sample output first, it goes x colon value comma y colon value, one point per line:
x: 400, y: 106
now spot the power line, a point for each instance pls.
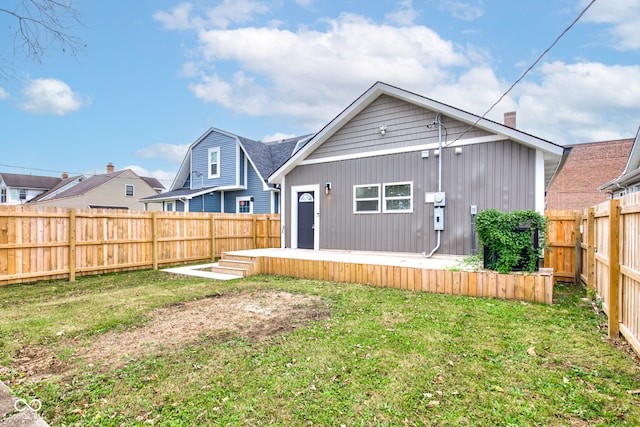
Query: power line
x: 526, y: 71
x: 67, y: 172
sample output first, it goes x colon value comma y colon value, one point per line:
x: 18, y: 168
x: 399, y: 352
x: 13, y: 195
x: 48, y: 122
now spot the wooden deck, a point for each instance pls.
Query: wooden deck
x: 395, y: 270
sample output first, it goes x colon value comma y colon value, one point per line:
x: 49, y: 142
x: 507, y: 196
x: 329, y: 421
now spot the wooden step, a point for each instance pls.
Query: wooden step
x: 240, y: 272
x: 238, y: 257
x: 234, y: 263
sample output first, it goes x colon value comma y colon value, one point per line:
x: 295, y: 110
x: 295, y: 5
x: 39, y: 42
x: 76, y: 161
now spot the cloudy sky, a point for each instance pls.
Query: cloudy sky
x: 156, y: 74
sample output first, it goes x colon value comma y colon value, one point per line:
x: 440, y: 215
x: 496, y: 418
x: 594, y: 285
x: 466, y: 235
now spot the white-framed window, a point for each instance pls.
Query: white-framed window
x: 23, y: 194
x: 398, y: 197
x: 366, y: 198
x: 214, y: 162
x: 169, y: 206
x: 244, y: 205
x: 128, y: 190
x: 3, y: 195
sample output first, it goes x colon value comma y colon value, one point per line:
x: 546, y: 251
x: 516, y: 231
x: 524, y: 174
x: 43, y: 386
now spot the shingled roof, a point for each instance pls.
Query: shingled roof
x: 35, y: 182
x: 269, y: 156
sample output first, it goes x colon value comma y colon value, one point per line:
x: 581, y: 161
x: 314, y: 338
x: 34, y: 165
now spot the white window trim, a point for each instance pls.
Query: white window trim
x: 133, y: 190
x: 355, y: 199
x: 410, y: 197
x: 211, y: 150
x: 171, y: 205
x: 244, y: 199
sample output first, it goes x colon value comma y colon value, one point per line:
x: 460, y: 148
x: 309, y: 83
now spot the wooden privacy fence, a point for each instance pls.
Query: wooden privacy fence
x: 607, y: 258
x: 57, y: 243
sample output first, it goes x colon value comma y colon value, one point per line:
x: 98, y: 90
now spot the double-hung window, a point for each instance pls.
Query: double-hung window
x: 398, y: 197
x: 244, y: 205
x: 366, y: 198
x: 128, y: 190
x: 214, y: 162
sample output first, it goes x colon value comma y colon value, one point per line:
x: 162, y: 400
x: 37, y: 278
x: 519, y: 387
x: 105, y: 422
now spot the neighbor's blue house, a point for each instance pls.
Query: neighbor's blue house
x: 224, y: 172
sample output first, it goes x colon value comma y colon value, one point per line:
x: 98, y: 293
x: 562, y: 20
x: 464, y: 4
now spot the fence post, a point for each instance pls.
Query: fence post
x: 578, y: 239
x: 591, y: 251
x: 213, y: 238
x: 72, y: 245
x: 255, y: 232
x: 267, y: 232
x: 154, y: 238
x: 614, y: 268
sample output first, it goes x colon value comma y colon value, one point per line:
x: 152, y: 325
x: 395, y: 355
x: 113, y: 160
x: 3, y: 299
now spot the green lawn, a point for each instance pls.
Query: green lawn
x: 377, y: 356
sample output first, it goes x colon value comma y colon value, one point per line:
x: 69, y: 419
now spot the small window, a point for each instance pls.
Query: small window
x: 366, y: 198
x: 214, y: 162
x: 128, y: 190
x: 3, y: 196
x: 169, y: 207
x: 244, y: 205
x: 23, y: 194
x: 398, y: 197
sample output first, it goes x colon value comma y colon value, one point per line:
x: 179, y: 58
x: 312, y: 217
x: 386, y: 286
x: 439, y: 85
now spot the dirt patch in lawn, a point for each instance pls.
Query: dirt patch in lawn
x: 255, y: 316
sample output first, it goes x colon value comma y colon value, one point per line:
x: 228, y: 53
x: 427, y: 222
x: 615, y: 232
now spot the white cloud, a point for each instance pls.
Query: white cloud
x: 3, y: 94
x: 221, y: 16
x: 405, y: 14
x: 165, y: 177
x: 464, y: 10
x: 51, y: 96
x: 275, y: 66
x: 278, y: 136
x: 312, y: 73
x: 171, y: 152
x: 581, y: 102
x: 622, y: 15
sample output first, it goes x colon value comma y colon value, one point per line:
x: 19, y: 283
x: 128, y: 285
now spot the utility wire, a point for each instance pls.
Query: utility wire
x: 71, y: 173
x: 525, y: 72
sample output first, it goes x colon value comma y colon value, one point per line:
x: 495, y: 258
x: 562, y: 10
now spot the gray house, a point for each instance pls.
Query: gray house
x: 399, y: 172
x: 629, y: 181
x: 223, y: 172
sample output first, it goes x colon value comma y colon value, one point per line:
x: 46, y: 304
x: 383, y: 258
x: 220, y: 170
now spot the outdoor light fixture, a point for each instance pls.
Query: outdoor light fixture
x: 327, y: 188
x: 383, y: 130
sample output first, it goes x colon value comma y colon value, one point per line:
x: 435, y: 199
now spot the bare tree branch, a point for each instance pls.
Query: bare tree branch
x: 41, y: 26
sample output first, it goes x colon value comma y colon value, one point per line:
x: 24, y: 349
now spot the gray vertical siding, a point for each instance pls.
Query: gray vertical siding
x: 491, y: 175
x: 406, y: 126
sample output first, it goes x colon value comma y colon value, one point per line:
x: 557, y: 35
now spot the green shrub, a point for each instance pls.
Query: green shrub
x: 510, y: 237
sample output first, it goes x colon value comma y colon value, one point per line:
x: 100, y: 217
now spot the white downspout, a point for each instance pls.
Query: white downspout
x: 439, y: 119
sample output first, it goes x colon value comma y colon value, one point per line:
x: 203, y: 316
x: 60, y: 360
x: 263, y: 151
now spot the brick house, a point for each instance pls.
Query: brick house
x: 587, y: 167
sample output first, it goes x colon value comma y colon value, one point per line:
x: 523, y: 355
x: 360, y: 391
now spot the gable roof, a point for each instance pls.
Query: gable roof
x: 265, y: 157
x: 631, y: 173
x: 153, y: 183
x: 180, y: 193
x: 87, y: 185
x: 35, y: 182
x: 58, y: 188
x: 552, y: 152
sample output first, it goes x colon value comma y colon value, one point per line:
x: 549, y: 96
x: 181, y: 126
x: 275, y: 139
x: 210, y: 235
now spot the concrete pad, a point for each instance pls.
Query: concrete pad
x: 200, y: 271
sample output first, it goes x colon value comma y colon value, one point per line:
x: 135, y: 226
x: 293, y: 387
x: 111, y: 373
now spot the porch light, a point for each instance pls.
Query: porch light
x: 327, y: 188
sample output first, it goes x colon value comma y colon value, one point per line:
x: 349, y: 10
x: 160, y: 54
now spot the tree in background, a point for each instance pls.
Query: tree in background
x: 38, y: 26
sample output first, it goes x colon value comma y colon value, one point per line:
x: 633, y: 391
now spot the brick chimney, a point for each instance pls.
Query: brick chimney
x: 510, y: 119
x: 110, y: 167
x: 65, y: 175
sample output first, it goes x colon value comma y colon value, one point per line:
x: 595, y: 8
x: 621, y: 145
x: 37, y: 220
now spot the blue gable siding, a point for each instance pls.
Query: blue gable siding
x: 242, y: 167
x: 211, y: 203
x: 228, y: 160
x: 255, y: 189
